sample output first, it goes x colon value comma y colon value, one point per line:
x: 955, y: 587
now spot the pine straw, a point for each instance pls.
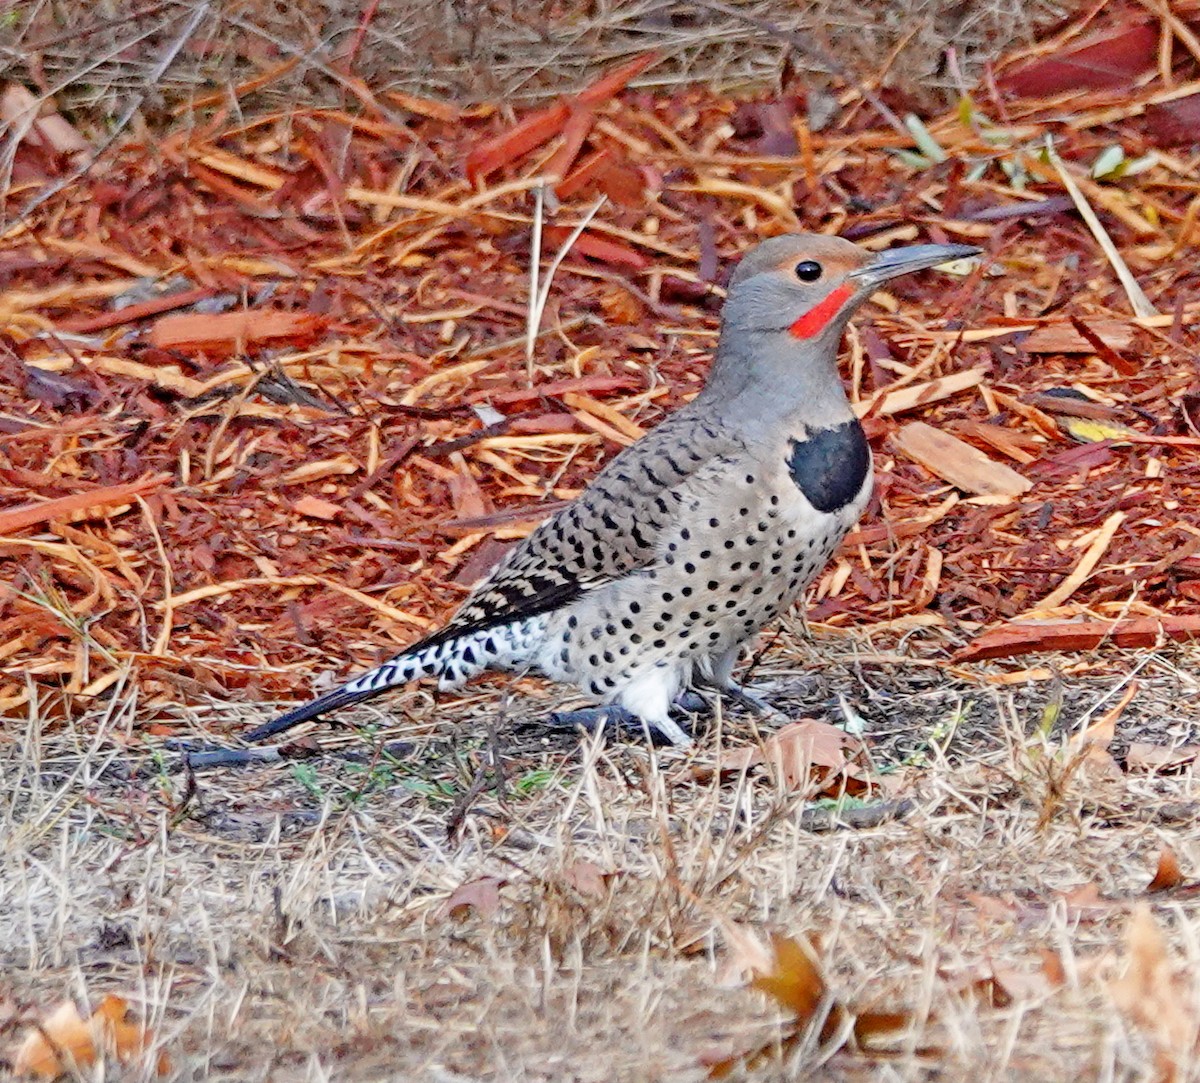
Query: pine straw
x: 488, y: 50
x: 292, y: 920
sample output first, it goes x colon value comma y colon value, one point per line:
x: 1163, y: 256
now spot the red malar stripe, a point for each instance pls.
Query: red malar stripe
x: 817, y: 318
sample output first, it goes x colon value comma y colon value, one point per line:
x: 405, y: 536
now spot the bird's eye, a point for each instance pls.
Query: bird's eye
x: 808, y: 270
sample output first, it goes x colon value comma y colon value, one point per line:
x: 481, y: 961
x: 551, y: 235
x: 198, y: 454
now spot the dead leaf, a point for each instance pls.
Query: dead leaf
x: 20, y: 110
x: 1004, y: 984
x: 1144, y: 756
x: 1053, y: 969
x: 1174, y: 121
x: 1152, y: 995
x: 992, y: 907
x: 793, y: 753
x: 64, y: 1040
x: 1094, y: 742
x: 1085, y: 897
x: 586, y: 879
x: 789, y: 972
x: 1168, y: 873
x: 746, y: 954
x: 481, y: 895
x: 1111, y: 59
x: 794, y: 978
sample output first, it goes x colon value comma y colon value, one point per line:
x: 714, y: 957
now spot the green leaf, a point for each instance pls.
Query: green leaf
x: 1138, y: 165
x: 927, y: 145
x: 912, y: 159
x: 1017, y: 177
x: 1108, y: 162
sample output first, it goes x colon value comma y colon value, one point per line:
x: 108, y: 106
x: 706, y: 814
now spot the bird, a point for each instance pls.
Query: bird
x: 690, y: 541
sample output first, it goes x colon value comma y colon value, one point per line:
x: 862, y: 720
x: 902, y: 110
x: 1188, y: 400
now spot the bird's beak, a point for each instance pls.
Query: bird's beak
x: 894, y: 262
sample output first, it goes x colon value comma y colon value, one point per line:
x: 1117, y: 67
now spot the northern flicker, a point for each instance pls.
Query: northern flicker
x: 690, y: 541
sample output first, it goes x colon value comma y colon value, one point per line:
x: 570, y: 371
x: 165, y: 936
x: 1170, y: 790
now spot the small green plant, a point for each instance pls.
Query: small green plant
x: 306, y: 775
x: 938, y: 736
x: 535, y: 781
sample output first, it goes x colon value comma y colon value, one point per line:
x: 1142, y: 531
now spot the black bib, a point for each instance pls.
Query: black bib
x: 829, y: 466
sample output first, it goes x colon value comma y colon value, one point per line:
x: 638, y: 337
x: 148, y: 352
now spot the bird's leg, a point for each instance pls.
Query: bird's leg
x: 721, y: 680
x: 740, y: 694
x: 662, y: 731
x: 691, y: 702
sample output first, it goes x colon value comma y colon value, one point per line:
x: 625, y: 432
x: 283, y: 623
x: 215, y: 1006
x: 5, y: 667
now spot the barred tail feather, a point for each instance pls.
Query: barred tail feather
x: 452, y: 661
x: 392, y: 674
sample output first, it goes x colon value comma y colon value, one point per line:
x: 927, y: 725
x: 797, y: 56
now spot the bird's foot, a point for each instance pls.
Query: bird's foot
x: 623, y: 721
x: 694, y: 702
x: 742, y: 695
x: 689, y: 701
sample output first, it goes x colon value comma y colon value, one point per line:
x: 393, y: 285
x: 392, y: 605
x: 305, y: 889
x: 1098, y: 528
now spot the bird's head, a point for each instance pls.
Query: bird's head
x: 808, y: 285
x: 789, y: 301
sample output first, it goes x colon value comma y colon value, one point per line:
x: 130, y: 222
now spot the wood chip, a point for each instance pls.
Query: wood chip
x: 909, y: 398
x: 1085, y: 567
x: 199, y: 330
x: 1032, y: 637
x: 957, y: 462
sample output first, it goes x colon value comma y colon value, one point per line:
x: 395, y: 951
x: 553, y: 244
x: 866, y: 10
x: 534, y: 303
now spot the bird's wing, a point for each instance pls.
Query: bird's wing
x: 610, y: 530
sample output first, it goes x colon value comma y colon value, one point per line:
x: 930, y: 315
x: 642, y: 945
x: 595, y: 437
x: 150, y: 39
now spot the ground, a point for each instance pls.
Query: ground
x: 276, y: 387
x: 308, y: 920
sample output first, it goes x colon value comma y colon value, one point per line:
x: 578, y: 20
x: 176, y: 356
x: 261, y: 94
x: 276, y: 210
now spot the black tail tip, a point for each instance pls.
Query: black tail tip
x: 305, y: 712
x: 278, y: 724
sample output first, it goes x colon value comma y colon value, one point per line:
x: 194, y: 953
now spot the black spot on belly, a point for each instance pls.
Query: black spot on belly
x: 830, y: 465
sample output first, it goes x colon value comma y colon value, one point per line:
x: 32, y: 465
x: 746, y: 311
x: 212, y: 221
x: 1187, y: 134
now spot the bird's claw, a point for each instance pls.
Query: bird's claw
x: 592, y: 719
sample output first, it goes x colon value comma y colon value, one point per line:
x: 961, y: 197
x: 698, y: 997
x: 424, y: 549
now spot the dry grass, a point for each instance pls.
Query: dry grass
x: 287, y: 921
x: 101, y: 56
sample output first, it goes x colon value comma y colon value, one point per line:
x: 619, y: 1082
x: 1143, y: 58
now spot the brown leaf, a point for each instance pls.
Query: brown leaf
x: 1112, y: 59
x: 1094, y: 742
x: 597, y: 248
x: 465, y: 493
x: 620, y: 306
x: 1168, y: 873
x: 794, y: 978
x: 793, y: 752
x: 1174, y: 121
x: 789, y: 973
x: 1053, y: 969
x: 1144, y: 756
x: 1011, y: 983
x: 992, y: 907
x: 586, y: 879
x: 481, y: 895
x: 65, y: 1040
x: 1083, y: 898
x: 746, y: 955
x: 1153, y: 996
x: 17, y: 105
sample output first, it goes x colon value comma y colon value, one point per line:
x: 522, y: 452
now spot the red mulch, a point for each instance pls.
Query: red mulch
x: 265, y: 409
